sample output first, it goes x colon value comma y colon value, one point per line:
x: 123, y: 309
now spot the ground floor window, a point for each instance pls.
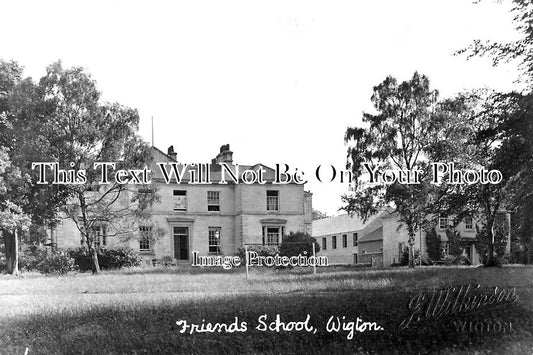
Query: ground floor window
x: 214, y: 240
x: 324, y: 244
x: 145, y: 238
x: 272, y: 235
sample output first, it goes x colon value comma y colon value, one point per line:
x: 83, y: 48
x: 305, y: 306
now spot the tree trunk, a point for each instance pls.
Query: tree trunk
x: 96, y: 266
x: 411, y: 243
x: 491, y: 260
x: 12, y: 255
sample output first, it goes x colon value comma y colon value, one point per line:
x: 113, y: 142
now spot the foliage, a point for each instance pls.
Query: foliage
x: 397, y: 137
x: 455, y: 245
x: 433, y: 243
x: 319, y: 215
x: 56, y: 263
x: 108, y: 259
x: 461, y: 260
x: 484, y: 241
x: 62, y: 119
x: 514, y: 127
x: 298, y: 243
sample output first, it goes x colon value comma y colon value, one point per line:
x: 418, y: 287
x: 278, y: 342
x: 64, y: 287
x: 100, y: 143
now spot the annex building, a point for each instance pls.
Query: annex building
x: 212, y: 219
x: 380, y: 240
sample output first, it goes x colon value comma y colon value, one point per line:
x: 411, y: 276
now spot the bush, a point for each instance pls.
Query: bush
x: 29, y: 262
x: 461, y: 260
x: 108, y: 259
x: 56, y: 263
x: 298, y: 243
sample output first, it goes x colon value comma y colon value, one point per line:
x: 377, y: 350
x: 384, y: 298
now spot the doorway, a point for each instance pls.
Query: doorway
x: 181, y: 243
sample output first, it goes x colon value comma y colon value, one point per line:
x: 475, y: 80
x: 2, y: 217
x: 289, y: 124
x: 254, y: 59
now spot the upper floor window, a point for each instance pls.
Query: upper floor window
x: 324, y: 244
x: 272, y: 200
x: 214, y: 240
x: 272, y: 235
x: 99, y: 237
x: 334, y: 242
x: 469, y: 223
x: 145, y: 238
x: 443, y: 222
x: 213, y: 200
x: 180, y: 200
x: 355, y: 239
x: 344, y: 241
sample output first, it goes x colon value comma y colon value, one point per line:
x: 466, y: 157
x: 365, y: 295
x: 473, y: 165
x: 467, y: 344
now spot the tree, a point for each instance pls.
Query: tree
x: 455, y: 245
x: 298, y: 243
x: 69, y: 125
x: 396, y: 137
x: 12, y: 218
x: 516, y: 129
x: 433, y: 243
x: 319, y: 215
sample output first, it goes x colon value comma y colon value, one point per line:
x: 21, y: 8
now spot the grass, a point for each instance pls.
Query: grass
x: 135, y: 311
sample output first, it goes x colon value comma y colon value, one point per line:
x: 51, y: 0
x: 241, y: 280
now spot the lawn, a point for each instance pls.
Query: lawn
x: 143, y: 310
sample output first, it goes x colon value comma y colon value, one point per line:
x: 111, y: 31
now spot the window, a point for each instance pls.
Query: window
x: 145, y: 238
x: 401, y: 247
x: 334, y: 242
x: 344, y: 241
x: 469, y: 223
x: 272, y: 200
x: 443, y: 222
x: 272, y: 235
x: 355, y: 258
x: 214, y: 240
x: 355, y: 239
x: 213, y: 200
x: 99, y: 237
x: 324, y: 243
x: 180, y: 200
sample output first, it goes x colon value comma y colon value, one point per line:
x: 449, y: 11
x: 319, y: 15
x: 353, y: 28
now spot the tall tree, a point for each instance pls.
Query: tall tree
x: 81, y: 132
x: 62, y: 120
x: 12, y: 217
x: 517, y: 129
x: 396, y: 137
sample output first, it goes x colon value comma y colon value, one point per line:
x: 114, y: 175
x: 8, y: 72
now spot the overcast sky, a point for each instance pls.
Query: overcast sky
x: 280, y: 81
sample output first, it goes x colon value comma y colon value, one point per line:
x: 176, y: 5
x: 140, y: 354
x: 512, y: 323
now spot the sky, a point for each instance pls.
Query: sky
x: 280, y: 81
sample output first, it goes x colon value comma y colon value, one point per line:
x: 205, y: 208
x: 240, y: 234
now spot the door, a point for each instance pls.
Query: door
x: 181, y: 243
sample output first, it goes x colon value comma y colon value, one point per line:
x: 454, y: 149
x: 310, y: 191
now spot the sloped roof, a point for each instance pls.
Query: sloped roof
x: 376, y: 234
x: 341, y: 224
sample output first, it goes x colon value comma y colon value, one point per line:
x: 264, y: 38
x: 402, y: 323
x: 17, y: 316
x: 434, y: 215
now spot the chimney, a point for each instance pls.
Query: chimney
x: 225, y: 155
x: 171, y: 153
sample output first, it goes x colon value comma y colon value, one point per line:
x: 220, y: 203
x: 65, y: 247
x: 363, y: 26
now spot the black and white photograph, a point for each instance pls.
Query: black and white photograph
x: 266, y: 177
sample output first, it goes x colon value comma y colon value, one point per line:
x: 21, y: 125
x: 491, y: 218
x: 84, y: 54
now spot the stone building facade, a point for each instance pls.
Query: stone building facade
x: 380, y: 240
x: 212, y: 219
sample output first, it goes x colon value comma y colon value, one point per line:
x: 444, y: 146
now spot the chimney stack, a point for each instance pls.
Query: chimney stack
x: 225, y: 155
x: 171, y: 153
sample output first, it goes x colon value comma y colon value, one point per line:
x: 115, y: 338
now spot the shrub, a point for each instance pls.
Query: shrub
x: 461, y: 260
x: 56, y: 263
x: 108, y: 259
x: 433, y: 244
x: 298, y: 243
x: 29, y: 262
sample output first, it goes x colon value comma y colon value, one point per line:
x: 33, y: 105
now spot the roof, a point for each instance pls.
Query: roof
x: 342, y: 224
x: 375, y: 235
x: 215, y: 169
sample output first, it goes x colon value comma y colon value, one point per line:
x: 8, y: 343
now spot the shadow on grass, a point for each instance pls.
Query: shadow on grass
x: 152, y: 329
